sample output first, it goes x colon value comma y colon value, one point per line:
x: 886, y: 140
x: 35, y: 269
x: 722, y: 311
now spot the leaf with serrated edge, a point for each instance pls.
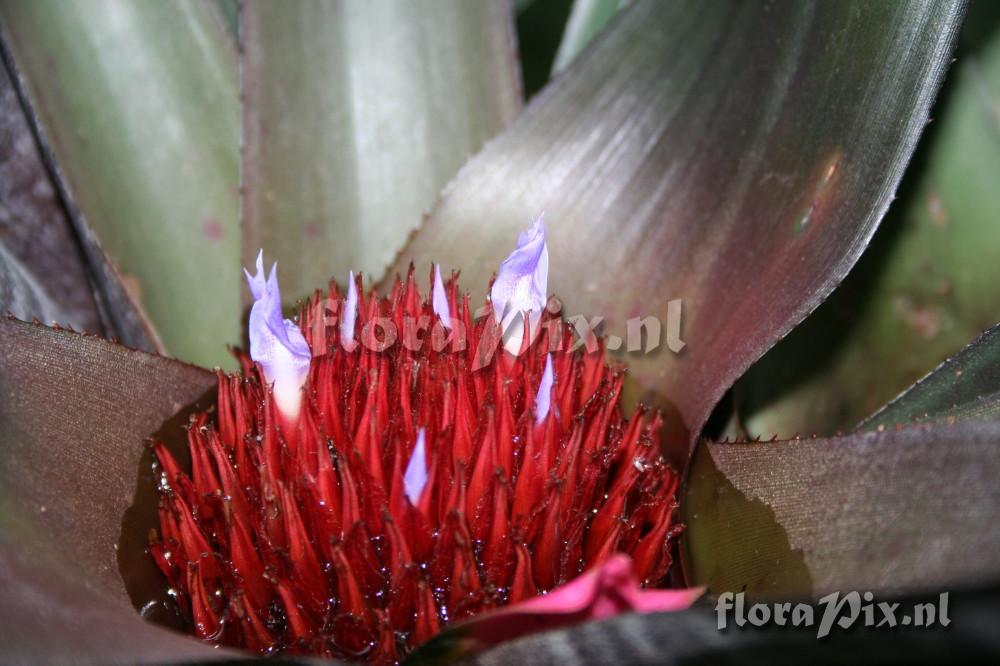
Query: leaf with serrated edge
x: 928, y: 284
x: 735, y: 156
x: 75, y: 413
x: 138, y: 103
x: 63, y: 266
x: 356, y: 114
x: 965, y: 387
x: 36, y: 242
x: 910, y: 509
x: 586, y: 19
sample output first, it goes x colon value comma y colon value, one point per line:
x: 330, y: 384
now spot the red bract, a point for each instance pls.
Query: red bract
x: 300, y: 536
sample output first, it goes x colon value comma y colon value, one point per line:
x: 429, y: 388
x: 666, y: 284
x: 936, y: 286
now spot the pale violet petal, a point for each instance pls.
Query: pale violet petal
x: 276, y: 343
x: 521, y: 286
x: 439, y: 298
x: 415, y: 477
x: 350, y: 313
x: 544, y: 396
x: 522, y: 280
x: 257, y: 282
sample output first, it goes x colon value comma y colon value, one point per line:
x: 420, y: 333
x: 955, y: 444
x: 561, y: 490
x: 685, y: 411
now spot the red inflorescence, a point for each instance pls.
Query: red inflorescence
x: 298, y: 535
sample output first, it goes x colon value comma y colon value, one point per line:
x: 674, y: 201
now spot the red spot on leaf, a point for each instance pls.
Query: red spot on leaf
x: 212, y: 229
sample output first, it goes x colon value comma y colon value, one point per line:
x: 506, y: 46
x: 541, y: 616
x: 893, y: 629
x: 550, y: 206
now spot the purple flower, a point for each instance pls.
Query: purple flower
x: 350, y: 314
x: 440, y: 298
x: 544, y: 396
x: 276, y: 343
x: 415, y: 477
x: 521, y: 287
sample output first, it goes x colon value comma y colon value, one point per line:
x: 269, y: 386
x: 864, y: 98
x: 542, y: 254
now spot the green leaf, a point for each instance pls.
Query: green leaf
x: 229, y: 10
x: 44, y: 263
x: 928, y: 285
x: 41, y: 271
x: 909, y: 509
x: 138, y: 103
x: 540, y: 26
x: 75, y: 413
x: 692, y: 154
x: 356, y: 114
x: 587, y: 18
x: 965, y: 387
x: 522, y: 5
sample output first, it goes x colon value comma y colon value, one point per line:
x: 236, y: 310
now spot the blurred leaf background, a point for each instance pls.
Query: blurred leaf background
x: 927, y: 285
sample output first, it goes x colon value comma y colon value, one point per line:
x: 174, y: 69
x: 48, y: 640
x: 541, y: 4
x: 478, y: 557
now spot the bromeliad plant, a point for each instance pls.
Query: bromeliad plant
x: 352, y: 493
x: 338, y: 499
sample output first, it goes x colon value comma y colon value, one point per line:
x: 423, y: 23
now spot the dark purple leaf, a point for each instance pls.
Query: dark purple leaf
x: 901, y: 510
x: 75, y: 413
x: 928, y: 284
x: 736, y: 156
x: 692, y: 638
x: 965, y: 387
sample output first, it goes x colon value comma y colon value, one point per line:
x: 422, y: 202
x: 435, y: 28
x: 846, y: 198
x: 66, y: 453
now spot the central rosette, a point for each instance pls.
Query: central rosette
x: 388, y: 465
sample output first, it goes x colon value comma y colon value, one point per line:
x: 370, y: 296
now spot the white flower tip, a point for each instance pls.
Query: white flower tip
x: 350, y: 313
x: 543, y: 399
x: 258, y: 281
x: 288, y: 392
x: 537, y: 228
x: 439, y: 298
x: 415, y: 477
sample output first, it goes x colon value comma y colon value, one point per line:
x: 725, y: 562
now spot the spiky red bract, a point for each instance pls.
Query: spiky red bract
x: 299, y: 536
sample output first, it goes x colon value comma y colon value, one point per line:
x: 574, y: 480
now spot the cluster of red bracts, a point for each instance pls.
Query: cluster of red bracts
x: 299, y: 535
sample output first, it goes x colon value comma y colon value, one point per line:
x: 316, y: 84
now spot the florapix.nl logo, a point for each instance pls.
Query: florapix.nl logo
x: 835, y: 610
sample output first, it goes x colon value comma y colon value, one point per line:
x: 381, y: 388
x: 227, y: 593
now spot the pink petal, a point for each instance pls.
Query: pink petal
x: 600, y: 593
x: 607, y: 590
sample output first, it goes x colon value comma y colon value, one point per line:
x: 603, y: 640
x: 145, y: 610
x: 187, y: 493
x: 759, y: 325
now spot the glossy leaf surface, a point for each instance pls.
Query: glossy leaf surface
x: 356, y: 114
x: 901, y: 510
x: 74, y: 416
x: 692, y: 154
x: 138, y: 103
x: 927, y: 286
